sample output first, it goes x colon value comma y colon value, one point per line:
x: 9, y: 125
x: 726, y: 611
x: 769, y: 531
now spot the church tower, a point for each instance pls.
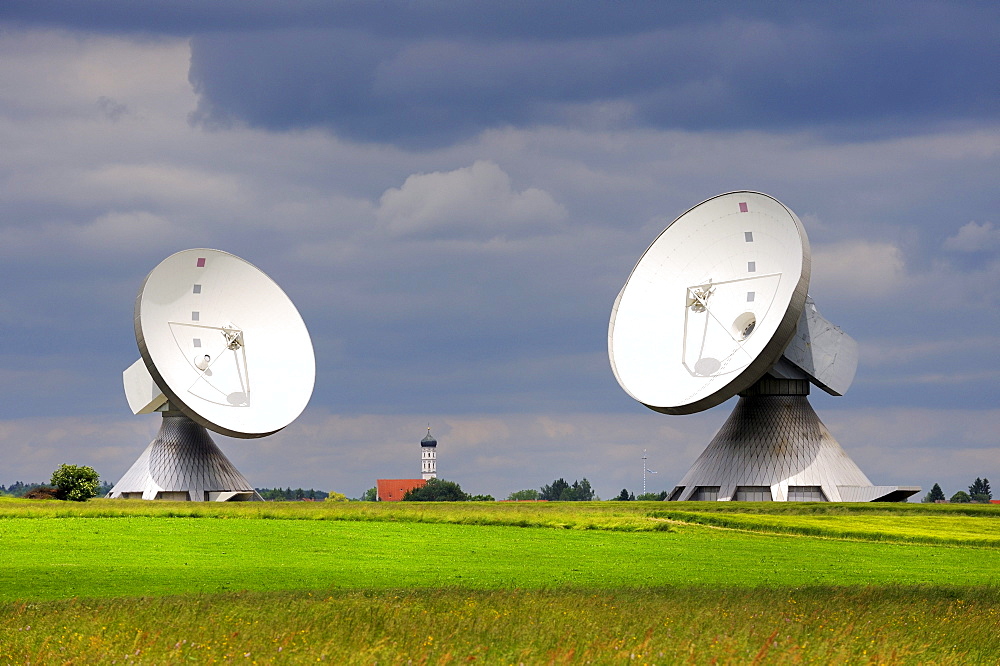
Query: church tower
x: 428, y: 456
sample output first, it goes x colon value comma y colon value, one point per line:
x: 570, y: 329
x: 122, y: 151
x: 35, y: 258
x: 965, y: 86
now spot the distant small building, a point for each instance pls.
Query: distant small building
x: 392, y: 490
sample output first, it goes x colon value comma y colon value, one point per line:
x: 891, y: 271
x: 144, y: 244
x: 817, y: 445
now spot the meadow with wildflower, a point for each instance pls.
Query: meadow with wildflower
x: 142, y: 582
x: 816, y: 624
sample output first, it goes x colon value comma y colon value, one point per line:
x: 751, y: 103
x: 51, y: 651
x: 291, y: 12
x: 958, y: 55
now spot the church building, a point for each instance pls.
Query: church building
x: 392, y: 490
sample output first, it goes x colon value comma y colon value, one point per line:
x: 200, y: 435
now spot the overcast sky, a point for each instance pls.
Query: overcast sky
x: 453, y: 195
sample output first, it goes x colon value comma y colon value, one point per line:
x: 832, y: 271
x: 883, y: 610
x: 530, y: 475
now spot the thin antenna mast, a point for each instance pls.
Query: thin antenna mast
x: 644, y: 471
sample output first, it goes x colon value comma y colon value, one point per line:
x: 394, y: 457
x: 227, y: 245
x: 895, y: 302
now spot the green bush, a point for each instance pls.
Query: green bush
x: 961, y: 497
x: 77, y: 484
x: 436, y: 490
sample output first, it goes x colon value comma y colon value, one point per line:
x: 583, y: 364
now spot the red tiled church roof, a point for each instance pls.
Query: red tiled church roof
x: 392, y: 490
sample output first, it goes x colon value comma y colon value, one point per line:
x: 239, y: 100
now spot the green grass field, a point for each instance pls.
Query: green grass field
x: 113, y: 581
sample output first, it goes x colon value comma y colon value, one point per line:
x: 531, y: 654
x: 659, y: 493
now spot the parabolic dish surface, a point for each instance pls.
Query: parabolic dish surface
x: 711, y: 305
x: 224, y: 343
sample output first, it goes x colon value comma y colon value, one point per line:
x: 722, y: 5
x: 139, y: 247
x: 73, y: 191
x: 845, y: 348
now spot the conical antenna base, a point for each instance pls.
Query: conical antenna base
x: 183, y: 464
x: 773, y: 447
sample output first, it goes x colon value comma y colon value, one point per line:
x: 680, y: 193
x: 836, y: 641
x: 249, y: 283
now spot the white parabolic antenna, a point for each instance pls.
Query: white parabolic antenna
x: 222, y: 347
x: 711, y: 305
x: 718, y: 306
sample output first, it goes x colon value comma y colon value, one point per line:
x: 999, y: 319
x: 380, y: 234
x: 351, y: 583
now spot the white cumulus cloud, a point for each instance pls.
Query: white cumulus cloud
x: 974, y: 237
x: 858, y: 268
x: 476, y: 201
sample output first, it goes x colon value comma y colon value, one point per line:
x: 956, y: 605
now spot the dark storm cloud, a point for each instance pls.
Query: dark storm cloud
x: 489, y: 19
x: 424, y: 74
x: 721, y: 72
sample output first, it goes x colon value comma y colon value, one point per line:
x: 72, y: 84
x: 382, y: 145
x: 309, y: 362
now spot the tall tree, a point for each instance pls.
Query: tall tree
x: 583, y: 492
x: 523, y: 495
x: 979, y: 491
x: 554, y: 492
x: 934, y: 495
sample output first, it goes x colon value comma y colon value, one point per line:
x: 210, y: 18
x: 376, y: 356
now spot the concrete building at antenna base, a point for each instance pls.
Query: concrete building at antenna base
x: 393, y: 490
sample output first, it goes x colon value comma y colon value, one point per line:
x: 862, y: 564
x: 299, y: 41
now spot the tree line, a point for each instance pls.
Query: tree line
x: 578, y: 491
x: 626, y: 496
x: 20, y: 489
x: 559, y: 490
x: 289, y: 495
x: 979, y: 492
x: 81, y: 483
x: 68, y: 482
